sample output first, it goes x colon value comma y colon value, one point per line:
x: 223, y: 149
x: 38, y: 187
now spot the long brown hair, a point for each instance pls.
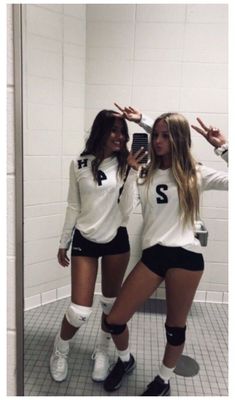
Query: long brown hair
x: 95, y: 144
x: 183, y: 164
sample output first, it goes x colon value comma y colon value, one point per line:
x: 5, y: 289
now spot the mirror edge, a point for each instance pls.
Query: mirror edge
x: 19, y: 211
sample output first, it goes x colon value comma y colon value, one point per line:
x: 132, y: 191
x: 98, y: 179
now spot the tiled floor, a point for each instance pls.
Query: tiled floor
x: 206, y: 343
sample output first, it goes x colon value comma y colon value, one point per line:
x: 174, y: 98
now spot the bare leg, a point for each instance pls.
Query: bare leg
x: 83, y: 277
x: 113, y: 271
x: 181, y: 286
x: 137, y: 288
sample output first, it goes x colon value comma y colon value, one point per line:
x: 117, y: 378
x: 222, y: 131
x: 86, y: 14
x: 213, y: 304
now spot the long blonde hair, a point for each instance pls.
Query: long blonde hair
x: 183, y: 164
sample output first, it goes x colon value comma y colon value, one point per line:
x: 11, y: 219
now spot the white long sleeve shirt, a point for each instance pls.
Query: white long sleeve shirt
x: 162, y: 220
x: 93, y: 207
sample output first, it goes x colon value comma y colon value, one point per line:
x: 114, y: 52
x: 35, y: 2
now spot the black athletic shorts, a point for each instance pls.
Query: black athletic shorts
x: 83, y: 247
x: 160, y: 258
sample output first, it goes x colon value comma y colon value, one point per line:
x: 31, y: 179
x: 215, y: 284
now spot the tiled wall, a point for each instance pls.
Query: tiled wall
x: 54, y: 71
x: 156, y: 57
x: 167, y: 57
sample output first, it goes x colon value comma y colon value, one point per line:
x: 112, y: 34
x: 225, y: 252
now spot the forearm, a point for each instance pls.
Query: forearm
x: 146, y: 123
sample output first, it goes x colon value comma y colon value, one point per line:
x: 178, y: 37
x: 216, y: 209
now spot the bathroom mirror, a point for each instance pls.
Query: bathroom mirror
x: 77, y: 60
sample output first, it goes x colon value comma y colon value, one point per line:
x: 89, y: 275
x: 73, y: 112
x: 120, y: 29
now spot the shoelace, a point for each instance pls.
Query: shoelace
x: 60, y: 358
x: 99, y: 356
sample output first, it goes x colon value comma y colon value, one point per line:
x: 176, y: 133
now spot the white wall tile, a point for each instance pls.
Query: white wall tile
x: 107, y: 72
x: 204, y: 100
x: 48, y: 297
x: 45, y: 44
x: 103, y: 96
x: 161, y: 12
x: 48, y: 285
x: 200, y: 296
x: 44, y: 272
x: 73, y: 119
x: 74, y: 69
x: 110, y: 34
x: 114, y: 54
x: 198, y: 39
x: 74, y: 30
x: 74, y: 50
x: 163, y: 74
x: 203, y: 75
x: 42, y: 210
x: 214, y: 297
x: 39, y: 192
x: 73, y: 143
x: 75, y: 10
x: 214, y: 198
x: 42, y: 227
x: 207, y: 13
x: 74, y: 94
x: 64, y: 291
x: 214, y: 212
x: 216, y: 273
x: 58, y: 8
x: 42, y: 143
x: 44, y: 22
x: 159, y: 35
x: 32, y: 301
x: 44, y: 90
x: 111, y: 12
x: 44, y: 117
x: 152, y: 98
x: 216, y: 251
x: 218, y: 229
x: 44, y: 63
x: 40, y: 250
x: 158, y: 54
x: 38, y: 167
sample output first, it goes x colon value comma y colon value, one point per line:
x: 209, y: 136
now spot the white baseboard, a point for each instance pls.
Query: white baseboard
x: 64, y: 292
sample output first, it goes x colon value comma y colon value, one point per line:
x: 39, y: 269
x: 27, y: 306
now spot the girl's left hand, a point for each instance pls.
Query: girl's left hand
x: 133, y: 160
x: 212, y: 135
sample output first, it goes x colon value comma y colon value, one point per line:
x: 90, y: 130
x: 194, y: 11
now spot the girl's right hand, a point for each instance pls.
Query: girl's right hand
x: 133, y: 160
x: 130, y: 113
x: 63, y: 258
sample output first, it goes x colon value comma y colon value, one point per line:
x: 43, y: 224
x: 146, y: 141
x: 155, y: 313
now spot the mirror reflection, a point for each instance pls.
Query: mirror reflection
x: 77, y: 61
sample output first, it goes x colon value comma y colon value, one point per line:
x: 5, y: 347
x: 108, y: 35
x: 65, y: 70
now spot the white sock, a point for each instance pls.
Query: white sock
x: 165, y: 373
x: 62, y: 344
x: 103, y: 340
x: 124, y: 355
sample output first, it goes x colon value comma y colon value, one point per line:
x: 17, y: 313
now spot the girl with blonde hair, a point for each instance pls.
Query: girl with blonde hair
x: 169, y: 197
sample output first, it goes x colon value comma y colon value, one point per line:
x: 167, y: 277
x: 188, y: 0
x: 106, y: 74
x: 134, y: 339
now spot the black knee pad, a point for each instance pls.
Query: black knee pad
x: 175, y: 335
x: 113, y: 329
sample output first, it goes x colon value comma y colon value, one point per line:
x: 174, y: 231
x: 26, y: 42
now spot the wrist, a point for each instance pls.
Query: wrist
x: 221, y: 149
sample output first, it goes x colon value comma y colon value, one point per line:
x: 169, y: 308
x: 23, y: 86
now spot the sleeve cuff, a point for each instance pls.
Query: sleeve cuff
x: 221, y: 150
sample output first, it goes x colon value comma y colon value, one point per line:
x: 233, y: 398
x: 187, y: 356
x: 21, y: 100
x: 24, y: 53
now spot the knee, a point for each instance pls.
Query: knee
x: 114, y: 329
x: 107, y: 304
x: 175, y: 335
x: 77, y: 315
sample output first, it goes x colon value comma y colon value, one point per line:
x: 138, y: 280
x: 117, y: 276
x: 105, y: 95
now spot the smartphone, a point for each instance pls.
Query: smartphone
x: 140, y: 140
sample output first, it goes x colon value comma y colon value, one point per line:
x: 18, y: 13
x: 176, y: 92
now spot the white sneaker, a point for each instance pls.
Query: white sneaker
x: 101, y: 366
x: 58, y: 362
